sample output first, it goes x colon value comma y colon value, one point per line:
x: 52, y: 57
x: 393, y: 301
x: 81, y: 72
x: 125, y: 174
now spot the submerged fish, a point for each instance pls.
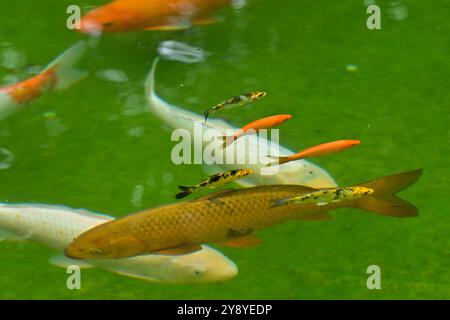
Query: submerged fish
x: 214, y: 181
x: 255, y: 126
x: 299, y: 172
x: 326, y: 196
x: 227, y: 217
x: 133, y: 15
x: 57, y: 226
x: 317, y: 151
x: 237, y: 101
x: 58, y: 75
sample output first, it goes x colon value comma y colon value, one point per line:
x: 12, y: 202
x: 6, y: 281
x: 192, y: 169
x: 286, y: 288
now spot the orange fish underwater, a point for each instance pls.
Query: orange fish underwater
x: 230, y: 217
x: 316, y: 151
x: 56, y: 76
x: 255, y: 126
x: 133, y: 15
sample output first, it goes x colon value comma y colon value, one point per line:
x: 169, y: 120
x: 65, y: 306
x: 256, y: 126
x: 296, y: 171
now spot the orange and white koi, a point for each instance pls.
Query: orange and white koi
x: 255, y: 126
x: 134, y: 15
x: 57, y: 75
x: 317, y: 151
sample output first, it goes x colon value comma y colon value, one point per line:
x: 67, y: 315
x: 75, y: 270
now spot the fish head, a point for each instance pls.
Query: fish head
x: 258, y: 95
x: 244, y: 172
x: 102, y: 243
x: 204, y: 266
x: 361, y: 191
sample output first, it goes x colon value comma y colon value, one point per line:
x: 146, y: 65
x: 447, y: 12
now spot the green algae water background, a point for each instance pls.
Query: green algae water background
x: 93, y: 146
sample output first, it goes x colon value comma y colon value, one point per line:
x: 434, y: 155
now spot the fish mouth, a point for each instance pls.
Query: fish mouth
x: 73, y: 254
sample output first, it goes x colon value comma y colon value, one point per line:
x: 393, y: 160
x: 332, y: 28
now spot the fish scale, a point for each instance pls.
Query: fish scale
x: 227, y: 216
x: 209, y: 220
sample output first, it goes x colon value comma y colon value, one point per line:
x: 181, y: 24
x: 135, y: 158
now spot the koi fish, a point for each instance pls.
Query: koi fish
x: 316, y: 151
x: 300, y: 172
x: 237, y: 101
x: 227, y: 217
x: 57, y: 226
x: 214, y: 181
x: 325, y: 196
x: 134, y: 15
x: 58, y: 75
x: 255, y: 126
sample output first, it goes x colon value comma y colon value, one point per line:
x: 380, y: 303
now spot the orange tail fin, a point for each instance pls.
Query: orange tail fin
x: 227, y: 140
x: 278, y: 160
x: 384, y: 201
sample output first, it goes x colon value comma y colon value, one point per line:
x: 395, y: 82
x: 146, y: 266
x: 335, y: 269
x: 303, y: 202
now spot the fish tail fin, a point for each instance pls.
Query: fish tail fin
x: 150, y: 81
x: 227, y: 140
x: 277, y: 160
x: 384, y: 201
x: 63, y: 69
x: 185, y: 191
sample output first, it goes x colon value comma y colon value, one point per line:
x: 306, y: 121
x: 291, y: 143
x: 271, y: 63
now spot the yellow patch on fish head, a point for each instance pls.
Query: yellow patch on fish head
x: 364, y: 191
x: 101, y: 243
x: 258, y: 94
x: 357, y: 192
x: 245, y: 172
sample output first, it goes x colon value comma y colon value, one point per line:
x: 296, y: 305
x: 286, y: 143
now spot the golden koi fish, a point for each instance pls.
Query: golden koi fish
x: 227, y: 217
x: 237, y: 101
x: 214, y: 181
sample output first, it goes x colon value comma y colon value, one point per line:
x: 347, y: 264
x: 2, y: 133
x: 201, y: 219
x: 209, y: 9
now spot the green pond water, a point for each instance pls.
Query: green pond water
x: 93, y: 145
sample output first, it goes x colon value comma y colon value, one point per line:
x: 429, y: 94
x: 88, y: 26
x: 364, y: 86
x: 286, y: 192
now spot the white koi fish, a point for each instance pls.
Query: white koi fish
x: 57, y: 226
x: 300, y: 172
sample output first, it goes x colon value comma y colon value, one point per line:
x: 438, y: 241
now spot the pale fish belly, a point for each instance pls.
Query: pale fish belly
x: 57, y: 226
x: 300, y: 172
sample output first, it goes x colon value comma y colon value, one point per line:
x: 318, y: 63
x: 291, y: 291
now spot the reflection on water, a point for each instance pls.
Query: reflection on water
x: 133, y: 104
x: 136, y: 196
x: 179, y: 51
x: 6, y: 158
x: 136, y: 132
x: 397, y: 11
x: 112, y: 75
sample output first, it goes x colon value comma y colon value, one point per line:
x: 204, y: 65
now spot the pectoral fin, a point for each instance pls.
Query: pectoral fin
x: 63, y: 262
x: 13, y: 237
x: 180, y: 250
x: 170, y: 27
x: 247, y: 241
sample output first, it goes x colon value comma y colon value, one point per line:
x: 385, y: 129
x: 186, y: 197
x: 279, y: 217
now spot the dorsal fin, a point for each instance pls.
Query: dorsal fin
x: 296, y: 189
x: 215, y: 194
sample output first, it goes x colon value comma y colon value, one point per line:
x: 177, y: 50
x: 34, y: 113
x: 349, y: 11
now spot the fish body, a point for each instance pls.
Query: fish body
x: 300, y: 172
x: 255, y: 126
x: 57, y: 226
x: 134, y: 15
x: 57, y: 76
x: 227, y: 216
x: 319, y: 150
x: 237, y: 101
x: 328, y: 195
x: 214, y: 181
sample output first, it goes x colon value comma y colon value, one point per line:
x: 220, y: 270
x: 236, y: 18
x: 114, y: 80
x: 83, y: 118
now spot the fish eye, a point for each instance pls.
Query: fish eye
x: 96, y: 251
x: 108, y: 24
x: 197, y: 272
